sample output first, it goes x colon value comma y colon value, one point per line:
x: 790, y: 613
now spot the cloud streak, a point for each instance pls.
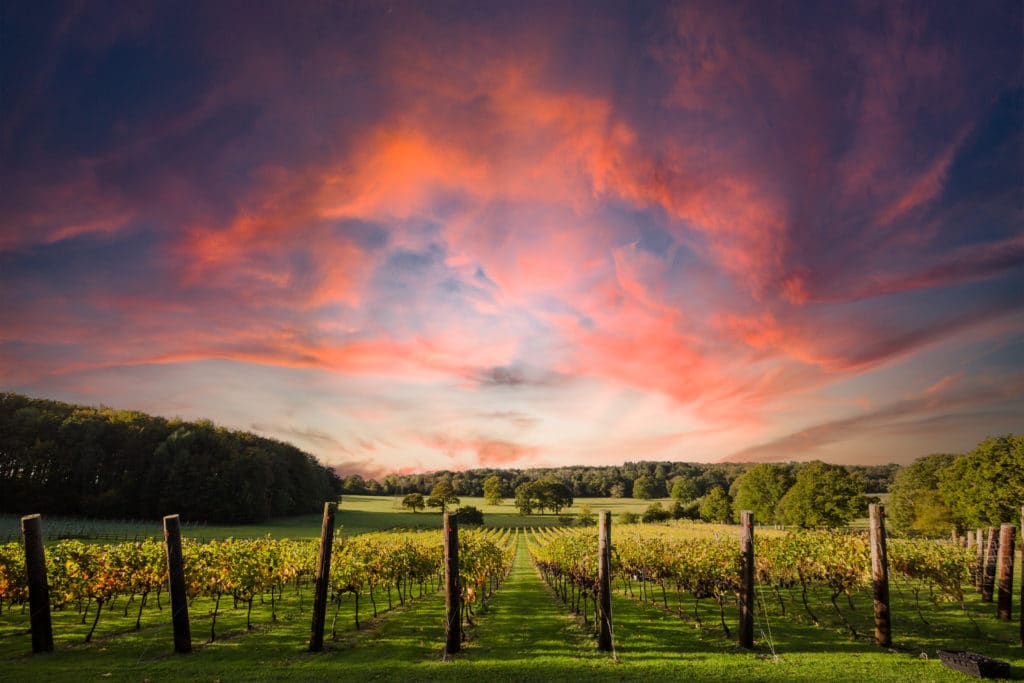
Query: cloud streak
x: 553, y: 235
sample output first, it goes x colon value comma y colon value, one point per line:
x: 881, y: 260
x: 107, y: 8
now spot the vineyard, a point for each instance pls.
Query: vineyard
x: 672, y: 565
x: 529, y: 603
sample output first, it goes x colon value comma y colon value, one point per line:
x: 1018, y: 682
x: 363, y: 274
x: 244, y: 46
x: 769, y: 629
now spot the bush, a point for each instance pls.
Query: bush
x: 586, y: 516
x: 689, y: 510
x: 470, y: 516
x: 628, y: 518
x: 656, y: 513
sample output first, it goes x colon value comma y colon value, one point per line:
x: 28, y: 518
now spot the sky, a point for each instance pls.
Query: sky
x: 411, y: 236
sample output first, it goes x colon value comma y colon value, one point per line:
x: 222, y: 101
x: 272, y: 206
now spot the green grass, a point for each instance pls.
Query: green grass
x: 357, y: 515
x: 524, y: 634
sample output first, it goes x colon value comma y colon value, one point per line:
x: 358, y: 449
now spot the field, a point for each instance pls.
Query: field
x: 524, y: 633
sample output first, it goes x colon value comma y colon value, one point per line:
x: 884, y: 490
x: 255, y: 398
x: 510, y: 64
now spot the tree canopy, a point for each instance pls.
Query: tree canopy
x: 79, y: 460
x: 442, y: 495
x: 494, y: 490
x: 760, y: 489
x: 541, y: 495
x: 414, y: 502
x: 715, y: 506
x: 823, y: 496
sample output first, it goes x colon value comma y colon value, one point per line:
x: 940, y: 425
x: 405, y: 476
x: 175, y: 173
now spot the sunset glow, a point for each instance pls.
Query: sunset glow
x: 410, y: 238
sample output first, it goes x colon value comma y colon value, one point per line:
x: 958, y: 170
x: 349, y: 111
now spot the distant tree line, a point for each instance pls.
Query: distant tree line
x: 97, y: 462
x: 643, y: 480
x: 941, y: 492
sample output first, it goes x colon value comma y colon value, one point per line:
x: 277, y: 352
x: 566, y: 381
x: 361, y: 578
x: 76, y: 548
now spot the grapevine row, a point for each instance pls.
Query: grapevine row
x: 92, y: 577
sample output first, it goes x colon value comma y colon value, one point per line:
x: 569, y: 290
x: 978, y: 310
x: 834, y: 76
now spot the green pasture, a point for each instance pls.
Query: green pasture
x: 356, y: 515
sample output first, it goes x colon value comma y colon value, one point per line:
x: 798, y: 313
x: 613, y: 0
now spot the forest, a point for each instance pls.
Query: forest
x: 69, y: 459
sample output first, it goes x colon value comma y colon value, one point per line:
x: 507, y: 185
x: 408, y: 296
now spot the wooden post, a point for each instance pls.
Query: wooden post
x: 176, y: 585
x: 1004, y: 571
x: 979, y: 571
x: 988, y: 579
x: 604, y: 581
x: 746, y: 634
x: 38, y: 589
x: 323, y: 579
x: 452, y: 591
x: 880, y: 575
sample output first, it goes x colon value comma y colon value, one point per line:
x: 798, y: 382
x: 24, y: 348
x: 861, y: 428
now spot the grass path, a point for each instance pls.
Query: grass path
x: 526, y: 624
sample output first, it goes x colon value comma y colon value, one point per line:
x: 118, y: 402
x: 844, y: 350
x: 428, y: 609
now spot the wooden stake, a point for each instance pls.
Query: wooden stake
x: 988, y: 579
x: 979, y: 571
x: 176, y: 585
x: 38, y: 589
x: 452, y: 592
x: 880, y: 575
x: 322, y: 585
x: 746, y: 630
x: 604, y: 575
x: 1004, y: 571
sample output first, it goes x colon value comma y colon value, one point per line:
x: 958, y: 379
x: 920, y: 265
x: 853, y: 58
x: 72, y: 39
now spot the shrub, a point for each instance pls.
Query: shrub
x: 470, y: 516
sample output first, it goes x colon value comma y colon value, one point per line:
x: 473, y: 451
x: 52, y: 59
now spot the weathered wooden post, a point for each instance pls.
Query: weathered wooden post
x: 988, y: 579
x: 880, y: 575
x: 176, y: 585
x: 746, y: 634
x: 452, y: 592
x: 604, y: 581
x: 1004, y: 571
x: 322, y: 587
x: 38, y: 589
x: 979, y: 571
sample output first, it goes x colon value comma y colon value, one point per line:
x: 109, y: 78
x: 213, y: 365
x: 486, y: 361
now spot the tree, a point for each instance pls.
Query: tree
x: 414, y: 502
x: 715, y: 506
x: 986, y: 486
x: 442, y: 495
x: 494, y: 490
x: 683, y: 489
x: 646, y: 487
x: 823, y: 496
x: 916, y: 504
x: 543, y: 494
x: 760, y: 489
x: 524, y: 499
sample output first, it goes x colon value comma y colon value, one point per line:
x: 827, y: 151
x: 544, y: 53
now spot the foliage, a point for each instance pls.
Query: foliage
x: 545, y: 494
x: 471, y: 516
x: 916, y: 504
x: 986, y: 486
x: 78, y: 460
x: 647, y: 487
x: 656, y: 513
x: 494, y: 490
x: 760, y: 489
x: 586, y: 516
x: 414, y: 502
x: 716, y: 506
x: 684, y: 490
x: 442, y: 495
x: 823, y: 496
